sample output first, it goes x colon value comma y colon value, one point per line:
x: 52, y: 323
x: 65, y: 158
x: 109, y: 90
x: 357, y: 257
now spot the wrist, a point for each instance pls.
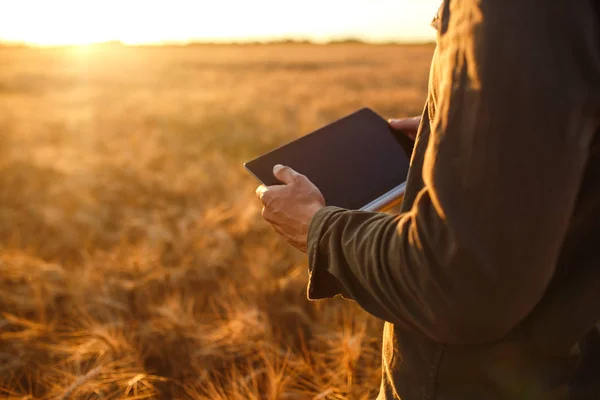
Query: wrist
x: 313, y: 210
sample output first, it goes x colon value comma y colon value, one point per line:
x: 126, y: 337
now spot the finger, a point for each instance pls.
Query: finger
x: 265, y: 213
x: 269, y: 193
x: 404, y: 123
x: 268, y: 215
x: 285, y: 174
x: 260, y: 191
x: 406, y: 126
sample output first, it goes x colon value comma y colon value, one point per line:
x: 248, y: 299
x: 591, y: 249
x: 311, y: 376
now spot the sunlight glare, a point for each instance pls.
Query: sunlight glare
x: 80, y: 22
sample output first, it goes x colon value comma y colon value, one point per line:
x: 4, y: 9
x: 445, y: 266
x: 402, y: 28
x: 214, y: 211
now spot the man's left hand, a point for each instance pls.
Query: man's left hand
x: 290, y: 207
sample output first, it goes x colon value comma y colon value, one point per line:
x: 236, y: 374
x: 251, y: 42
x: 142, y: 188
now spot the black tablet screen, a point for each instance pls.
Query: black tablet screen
x: 353, y: 161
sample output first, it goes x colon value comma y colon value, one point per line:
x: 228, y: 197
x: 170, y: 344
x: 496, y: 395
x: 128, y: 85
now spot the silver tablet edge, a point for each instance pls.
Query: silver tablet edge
x: 385, y: 199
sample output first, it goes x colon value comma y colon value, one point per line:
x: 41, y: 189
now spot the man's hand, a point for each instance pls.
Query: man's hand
x: 408, y: 126
x: 290, y: 207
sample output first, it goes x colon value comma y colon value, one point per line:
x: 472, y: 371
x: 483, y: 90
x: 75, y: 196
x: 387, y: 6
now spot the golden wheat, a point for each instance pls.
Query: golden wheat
x: 133, y: 259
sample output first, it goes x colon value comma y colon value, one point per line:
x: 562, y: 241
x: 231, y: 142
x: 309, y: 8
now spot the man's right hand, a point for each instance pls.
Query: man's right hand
x: 408, y: 126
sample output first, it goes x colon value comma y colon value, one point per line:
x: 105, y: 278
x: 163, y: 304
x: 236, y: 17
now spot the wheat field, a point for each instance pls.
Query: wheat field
x: 133, y: 259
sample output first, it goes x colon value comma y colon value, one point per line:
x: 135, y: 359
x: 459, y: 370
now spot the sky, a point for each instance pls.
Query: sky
x: 62, y: 22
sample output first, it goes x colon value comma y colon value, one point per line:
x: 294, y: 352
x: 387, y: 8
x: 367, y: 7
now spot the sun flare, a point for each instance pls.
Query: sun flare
x: 81, y: 22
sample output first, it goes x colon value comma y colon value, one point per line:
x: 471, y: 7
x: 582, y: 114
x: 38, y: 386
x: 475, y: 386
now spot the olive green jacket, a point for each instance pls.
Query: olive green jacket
x: 489, y: 278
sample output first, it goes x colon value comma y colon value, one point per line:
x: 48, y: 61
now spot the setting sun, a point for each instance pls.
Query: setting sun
x: 73, y: 22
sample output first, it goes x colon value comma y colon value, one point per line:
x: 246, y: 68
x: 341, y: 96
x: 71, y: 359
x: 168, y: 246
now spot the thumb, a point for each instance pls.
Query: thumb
x: 285, y: 174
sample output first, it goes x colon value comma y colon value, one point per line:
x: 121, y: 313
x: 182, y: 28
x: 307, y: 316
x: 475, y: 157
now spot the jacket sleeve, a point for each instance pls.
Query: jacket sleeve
x: 516, y: 111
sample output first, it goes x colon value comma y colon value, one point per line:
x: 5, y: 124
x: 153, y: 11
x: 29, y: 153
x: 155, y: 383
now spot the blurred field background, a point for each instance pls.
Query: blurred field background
x: 133, y: 261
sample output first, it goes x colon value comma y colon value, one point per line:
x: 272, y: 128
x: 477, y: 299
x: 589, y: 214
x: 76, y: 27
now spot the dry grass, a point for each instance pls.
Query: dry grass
x: 133, y: 260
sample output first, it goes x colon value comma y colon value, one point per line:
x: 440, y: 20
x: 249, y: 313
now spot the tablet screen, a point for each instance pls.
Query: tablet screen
x: 353, y: 161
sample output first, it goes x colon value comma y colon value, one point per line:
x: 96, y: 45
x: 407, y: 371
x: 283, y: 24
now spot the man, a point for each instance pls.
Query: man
x: 488, y: 279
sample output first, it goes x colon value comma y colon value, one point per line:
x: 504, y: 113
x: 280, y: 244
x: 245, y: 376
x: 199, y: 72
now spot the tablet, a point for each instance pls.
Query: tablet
x: 358, y: 162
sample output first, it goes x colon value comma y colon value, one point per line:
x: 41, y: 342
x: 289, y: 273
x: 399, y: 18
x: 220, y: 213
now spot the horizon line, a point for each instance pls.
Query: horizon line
x: 184, y: 43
